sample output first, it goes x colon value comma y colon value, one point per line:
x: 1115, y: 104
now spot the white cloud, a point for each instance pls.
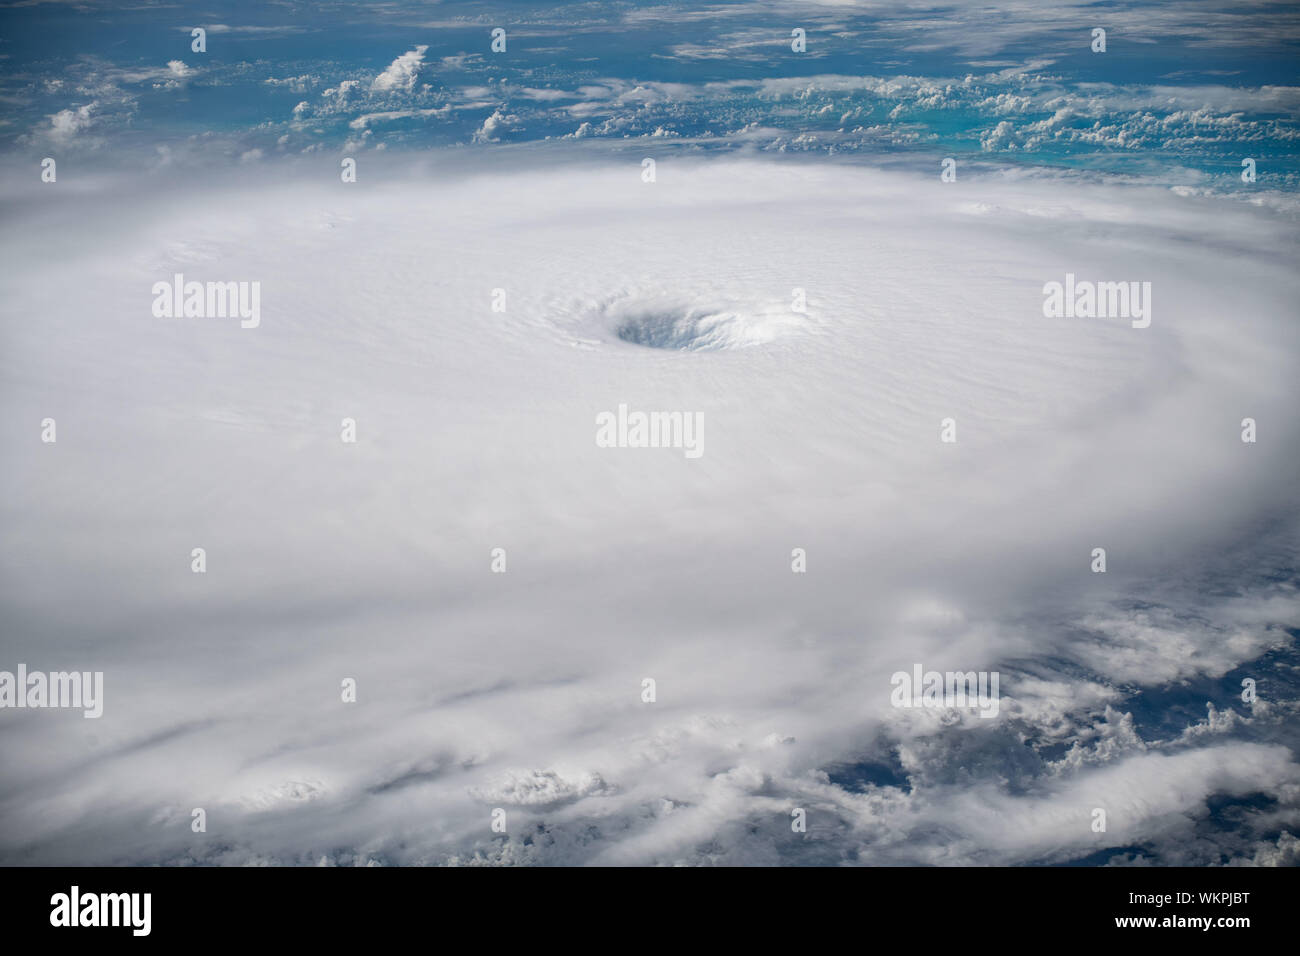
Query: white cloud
x: 386, y: 116
x: 522, y: 690
x: 401, y: 73
x: 66, y: 124
x: 493, y: 125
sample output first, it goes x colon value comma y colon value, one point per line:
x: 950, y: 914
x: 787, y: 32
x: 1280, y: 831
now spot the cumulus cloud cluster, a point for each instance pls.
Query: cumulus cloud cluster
x: 401, y: 73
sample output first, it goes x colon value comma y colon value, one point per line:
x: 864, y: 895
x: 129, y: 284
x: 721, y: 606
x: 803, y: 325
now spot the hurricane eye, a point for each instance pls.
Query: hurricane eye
x: 697, y: 327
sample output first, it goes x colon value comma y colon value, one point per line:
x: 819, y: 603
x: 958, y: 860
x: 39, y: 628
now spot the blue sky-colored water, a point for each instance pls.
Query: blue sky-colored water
x: 1182, y: 93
